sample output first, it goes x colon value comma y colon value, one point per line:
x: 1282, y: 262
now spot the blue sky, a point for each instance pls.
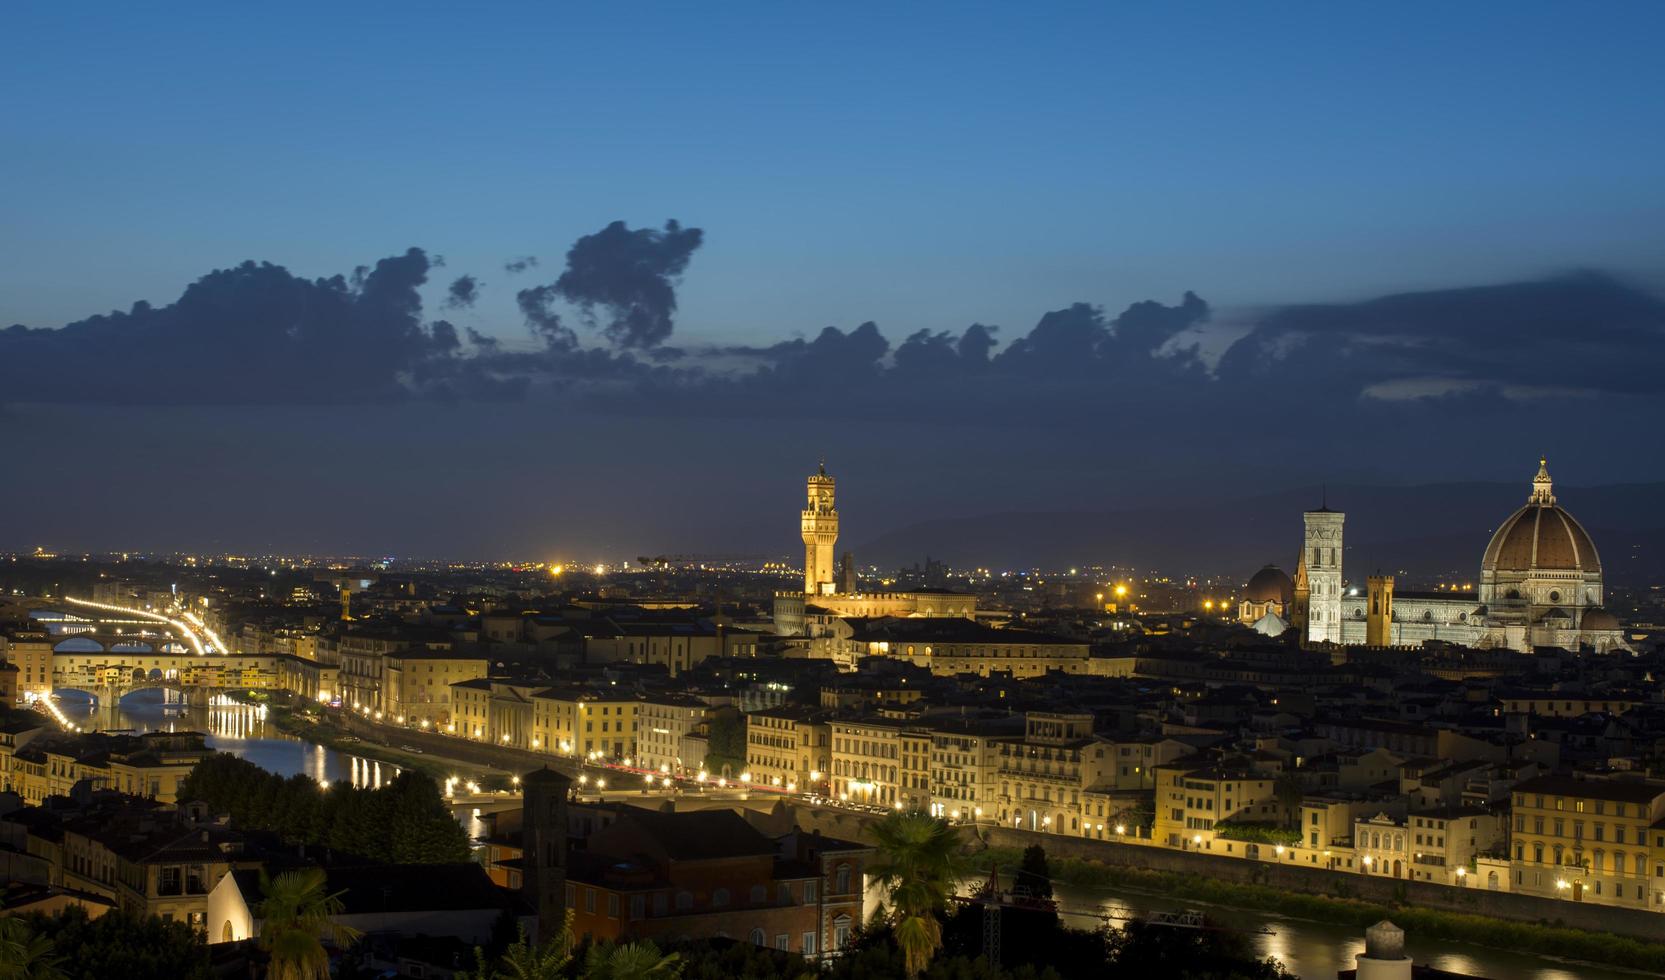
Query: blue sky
x: 925, y: 166
x: 928, y: 166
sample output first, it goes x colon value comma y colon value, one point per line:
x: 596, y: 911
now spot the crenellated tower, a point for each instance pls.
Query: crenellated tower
x: 820, y: 527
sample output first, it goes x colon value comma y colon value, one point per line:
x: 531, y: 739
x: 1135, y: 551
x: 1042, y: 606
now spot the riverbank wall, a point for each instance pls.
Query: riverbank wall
x: 451, y: 749
x: 1634, y: 923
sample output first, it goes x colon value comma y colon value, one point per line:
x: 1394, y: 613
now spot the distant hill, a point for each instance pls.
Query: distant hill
x: 1416, y: 531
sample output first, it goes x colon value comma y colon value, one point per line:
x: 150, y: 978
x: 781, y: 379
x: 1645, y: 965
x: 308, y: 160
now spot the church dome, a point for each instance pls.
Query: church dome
x: 1541, y: 537
x: 1270, y: 584
x: 1599, y: 619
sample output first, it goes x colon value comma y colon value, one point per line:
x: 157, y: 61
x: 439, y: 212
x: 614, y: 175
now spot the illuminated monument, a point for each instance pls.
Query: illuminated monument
x: 1540, y: 586
x: 820, y: 526
x: 830, y: 594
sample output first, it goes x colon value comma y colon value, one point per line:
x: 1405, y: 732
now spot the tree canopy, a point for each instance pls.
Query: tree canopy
x: 402, y: 822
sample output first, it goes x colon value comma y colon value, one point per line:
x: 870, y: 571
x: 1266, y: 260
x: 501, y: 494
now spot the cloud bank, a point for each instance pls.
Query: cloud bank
x: 257, y: 334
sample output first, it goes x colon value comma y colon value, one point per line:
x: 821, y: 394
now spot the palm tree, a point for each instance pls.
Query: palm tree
x: 630, y: 961
x: 524, y: 961
x: 918, y: 861
x: 297, y: 915
x: 26, y: 954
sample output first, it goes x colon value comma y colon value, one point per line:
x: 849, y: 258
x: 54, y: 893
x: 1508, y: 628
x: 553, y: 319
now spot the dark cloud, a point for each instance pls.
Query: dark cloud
x: 463, y: 293
x: 631, y: 276
x: 517, y: 266
x: 537, y: 305
x: 1583, y: 333
x: 1299, y: 374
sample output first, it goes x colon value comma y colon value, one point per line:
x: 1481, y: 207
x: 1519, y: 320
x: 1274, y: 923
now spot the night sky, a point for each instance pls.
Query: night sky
x: 589, y: 281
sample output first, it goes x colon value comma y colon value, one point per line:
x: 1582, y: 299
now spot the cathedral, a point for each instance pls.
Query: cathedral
x: 1540, y: 586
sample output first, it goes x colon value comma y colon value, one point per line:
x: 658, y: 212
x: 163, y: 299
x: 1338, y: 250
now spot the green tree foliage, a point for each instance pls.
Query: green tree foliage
x: 297, y: 913
x: 630, y: 961
x: 26, y: 954
x: 1034, y: 877
x: 402, y: 822
x: 522, y: 960
x: 726, y: 742
x: 120, y: 945
x: 731, y: 960
x: 917, y: 861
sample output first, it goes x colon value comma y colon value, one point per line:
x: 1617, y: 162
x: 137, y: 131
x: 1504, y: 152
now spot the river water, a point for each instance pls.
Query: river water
x: 1317, y: 950
x: 239, y: 729
x: 1311, y: 950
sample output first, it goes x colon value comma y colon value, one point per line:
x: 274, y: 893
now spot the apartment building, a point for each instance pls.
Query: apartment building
x: 1586, y: 839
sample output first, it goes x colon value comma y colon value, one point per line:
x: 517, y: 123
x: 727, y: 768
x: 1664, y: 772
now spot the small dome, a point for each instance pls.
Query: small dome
x: 1599, y: 619
x: 1541, y: 537
x: 1270, y: 584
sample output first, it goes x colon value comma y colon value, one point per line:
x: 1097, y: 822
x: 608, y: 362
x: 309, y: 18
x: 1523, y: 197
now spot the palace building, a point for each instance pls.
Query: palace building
x: 831, y: 594
x: 1540, y: 586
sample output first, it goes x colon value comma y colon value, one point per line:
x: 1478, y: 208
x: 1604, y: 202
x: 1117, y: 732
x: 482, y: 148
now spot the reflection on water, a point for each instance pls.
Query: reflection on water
x: 239, y: 729
x: 1317, y: 950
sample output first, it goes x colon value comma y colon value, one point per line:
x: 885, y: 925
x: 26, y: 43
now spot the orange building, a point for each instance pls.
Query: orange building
x: 710, y: 874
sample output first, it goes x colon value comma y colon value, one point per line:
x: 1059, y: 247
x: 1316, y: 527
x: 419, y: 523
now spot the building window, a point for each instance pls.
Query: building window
x: 841, y: 882
x: 719, y: 898
x: 638, y: 905
x: 809, y: 892
x: 612, y: 906
x: 809, y: 944
x: 684, y: 901
x: 757, y: 937
x: 841, y: 932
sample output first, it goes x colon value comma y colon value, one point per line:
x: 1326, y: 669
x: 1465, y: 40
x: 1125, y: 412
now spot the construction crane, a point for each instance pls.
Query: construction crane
x: 685, y: 561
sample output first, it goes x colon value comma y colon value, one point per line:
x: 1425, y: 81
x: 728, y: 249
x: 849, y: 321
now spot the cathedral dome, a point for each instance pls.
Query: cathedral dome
x: 1599, y: 619
x: 1270, y: 584
x: 1541, y: 537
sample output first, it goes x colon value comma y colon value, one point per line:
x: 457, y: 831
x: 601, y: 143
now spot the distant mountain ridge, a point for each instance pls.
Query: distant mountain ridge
x: 1417, y: 531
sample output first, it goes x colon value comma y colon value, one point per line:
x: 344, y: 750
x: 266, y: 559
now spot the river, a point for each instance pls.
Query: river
x: 1311, y: 950
x: 239, y: 729
x: 1317, y: 950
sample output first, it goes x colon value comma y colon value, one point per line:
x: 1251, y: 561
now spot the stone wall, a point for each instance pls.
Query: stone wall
x: 452, y: 749
x: 1321, y: 881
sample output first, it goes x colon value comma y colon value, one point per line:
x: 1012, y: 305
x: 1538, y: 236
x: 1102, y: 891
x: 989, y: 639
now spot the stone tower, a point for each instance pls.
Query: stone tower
x: 1322, y: 554
x: 1384, y: 954
x: 1378, y: 611
x: 847, y: 574
x: 820, y: 527
x: 543, y: 841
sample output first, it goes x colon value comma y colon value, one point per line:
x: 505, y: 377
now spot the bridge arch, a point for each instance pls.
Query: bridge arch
x: 78, y: 644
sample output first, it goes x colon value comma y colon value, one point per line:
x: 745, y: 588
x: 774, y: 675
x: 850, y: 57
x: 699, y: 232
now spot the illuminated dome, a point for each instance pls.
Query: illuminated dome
x: 1270, y: 584
x: 1600, y: 619
x: 1541, y: 537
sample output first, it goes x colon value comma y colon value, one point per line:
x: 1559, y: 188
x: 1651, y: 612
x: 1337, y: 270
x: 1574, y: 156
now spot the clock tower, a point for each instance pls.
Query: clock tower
x: 820, y: 527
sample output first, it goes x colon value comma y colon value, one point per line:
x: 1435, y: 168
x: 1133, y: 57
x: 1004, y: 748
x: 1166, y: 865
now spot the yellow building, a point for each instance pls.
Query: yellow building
x: 950, y: 646
x: 965, y: 766
x: 881, y: 762
x: 789, y: 746
x: 1191, y: 801
x: 415, y: 685
x: 1586, y: 840
x: 1042, y: 775
x: 151, y: 765
x: 665, y: 720
x: 597, y: 722
x: 30, y: 651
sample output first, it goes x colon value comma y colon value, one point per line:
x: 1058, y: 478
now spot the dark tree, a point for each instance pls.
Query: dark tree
x: 1034, y: 877
x: 123, y: 945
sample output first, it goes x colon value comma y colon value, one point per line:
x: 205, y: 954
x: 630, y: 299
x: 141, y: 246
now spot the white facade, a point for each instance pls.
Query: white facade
x: 1321, y: 555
